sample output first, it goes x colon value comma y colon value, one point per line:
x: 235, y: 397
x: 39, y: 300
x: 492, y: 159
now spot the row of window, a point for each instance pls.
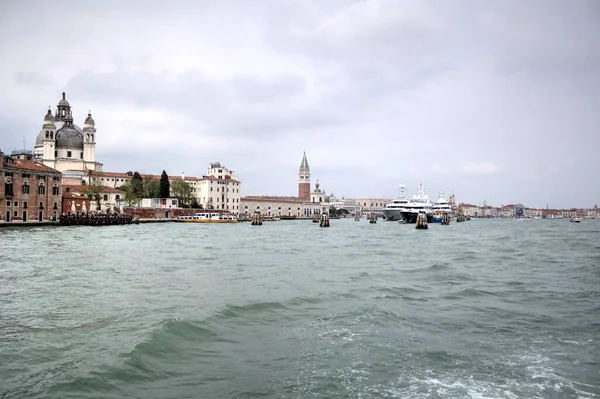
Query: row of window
x: 41, y: 190
x: 15, y: 204
x: 27, y: 176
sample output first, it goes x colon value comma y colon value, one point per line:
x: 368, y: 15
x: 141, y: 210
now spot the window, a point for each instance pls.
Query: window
x: 8, y: 188
x: 25, y: 188
x: 105, y: 197
x: 81, y: 155
x: 16, y: 203
x: 55, y: 206
x: 24, y: 204
x: 25, y: 175
x: 41, y: 205
x: 117, y: 197
x: 55, y: 154
x: 55, y: 178
x: 68, y: 154
x: 7, y: 203
x: 41, y: 189
x: 16, y: 213
x: 8, y: 174
x: 55, y: 190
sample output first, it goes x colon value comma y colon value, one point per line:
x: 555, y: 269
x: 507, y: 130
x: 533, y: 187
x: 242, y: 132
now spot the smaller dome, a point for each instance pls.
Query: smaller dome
x: 63, y: 102
x: 49, y: 117
x: 89, y: 120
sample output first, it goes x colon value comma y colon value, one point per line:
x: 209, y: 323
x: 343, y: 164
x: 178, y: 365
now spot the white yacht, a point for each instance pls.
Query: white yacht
x: 440, y: 207
x: 392, y: 210
x: 418, y: 203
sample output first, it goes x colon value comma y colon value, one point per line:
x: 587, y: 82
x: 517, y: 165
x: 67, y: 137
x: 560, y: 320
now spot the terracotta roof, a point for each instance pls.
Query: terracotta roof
x: 30, y: 165
x: 69, y: 194
x: 294, y: 200
x: 171, y: 178
x: 80, y: 188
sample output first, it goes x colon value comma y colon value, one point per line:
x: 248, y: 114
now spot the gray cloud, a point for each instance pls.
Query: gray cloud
x: 492, y: 100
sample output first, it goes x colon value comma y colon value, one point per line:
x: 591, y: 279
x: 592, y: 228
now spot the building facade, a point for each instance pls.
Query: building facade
x: 29, y: 191
x: 218, y: 189
x: 64, y: 146
x: 305, y: 205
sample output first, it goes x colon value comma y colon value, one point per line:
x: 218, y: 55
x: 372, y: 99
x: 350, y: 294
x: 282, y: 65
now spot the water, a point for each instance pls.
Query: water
x: 481, y: 309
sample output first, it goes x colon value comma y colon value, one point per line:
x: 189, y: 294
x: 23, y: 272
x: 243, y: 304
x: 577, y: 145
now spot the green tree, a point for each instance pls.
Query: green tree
x: 165, y: 186
x: 195, y: 204
x: 138, y: 184
x: 93, y: 191
x: 131, y: 198
x: 182, y: 190
x: 151, y: 188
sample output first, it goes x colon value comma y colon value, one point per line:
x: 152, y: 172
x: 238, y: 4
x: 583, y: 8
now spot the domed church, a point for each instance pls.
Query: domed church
x: 64, y: 146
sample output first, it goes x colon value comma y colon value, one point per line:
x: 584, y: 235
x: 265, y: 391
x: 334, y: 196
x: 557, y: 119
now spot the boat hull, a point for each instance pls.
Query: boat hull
x: 411, y: 217
x: 392, y: 215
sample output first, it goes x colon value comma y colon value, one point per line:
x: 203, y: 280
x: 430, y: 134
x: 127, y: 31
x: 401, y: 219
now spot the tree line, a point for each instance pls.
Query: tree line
x: 138, y: 188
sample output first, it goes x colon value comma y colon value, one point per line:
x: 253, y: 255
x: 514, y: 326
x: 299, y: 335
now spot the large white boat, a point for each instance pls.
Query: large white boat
x: 208, y: 217
x: 417, y: 204
x: 392, y: 211
x: 441, y: 207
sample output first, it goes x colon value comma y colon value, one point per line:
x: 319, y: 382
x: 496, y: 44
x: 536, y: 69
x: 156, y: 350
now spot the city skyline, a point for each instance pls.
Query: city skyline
x: 489, y: 101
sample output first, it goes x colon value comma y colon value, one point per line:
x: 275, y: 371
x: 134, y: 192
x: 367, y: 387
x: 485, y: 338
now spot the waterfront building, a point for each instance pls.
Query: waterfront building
x: 75, y: 203
x: 64, y: 146
x: 372, y: 205
x: 29, y: 191
x: 218, y: 189
x: 305, y: 205
x: 109, y: 196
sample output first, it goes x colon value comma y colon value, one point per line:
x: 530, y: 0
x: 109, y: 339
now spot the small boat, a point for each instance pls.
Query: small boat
x: 575, y: 219
x: 208, y: 217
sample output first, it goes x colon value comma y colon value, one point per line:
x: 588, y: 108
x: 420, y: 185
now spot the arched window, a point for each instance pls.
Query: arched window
x: 105, y: 198
x: 117, y: 197
x: 55, y: 190
x: 41, y: 189
x: 51, y: 136
x: 25, y: 188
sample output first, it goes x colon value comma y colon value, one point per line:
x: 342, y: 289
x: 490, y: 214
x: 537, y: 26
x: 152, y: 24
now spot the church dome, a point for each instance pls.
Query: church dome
x: 69, y: 136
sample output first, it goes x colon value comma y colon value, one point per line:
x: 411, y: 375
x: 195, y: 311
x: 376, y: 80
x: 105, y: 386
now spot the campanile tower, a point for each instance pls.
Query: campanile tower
x: 304, y: 180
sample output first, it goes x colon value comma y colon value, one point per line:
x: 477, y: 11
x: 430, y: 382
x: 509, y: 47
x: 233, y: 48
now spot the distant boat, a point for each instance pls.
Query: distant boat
x: 575, y: 219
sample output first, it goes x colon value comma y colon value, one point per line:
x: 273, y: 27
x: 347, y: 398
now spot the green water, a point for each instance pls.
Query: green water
x: 481, y: 309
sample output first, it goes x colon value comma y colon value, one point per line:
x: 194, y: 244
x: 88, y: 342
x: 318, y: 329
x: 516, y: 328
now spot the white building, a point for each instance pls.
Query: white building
x: 218, y: 189
x: 66, y: 147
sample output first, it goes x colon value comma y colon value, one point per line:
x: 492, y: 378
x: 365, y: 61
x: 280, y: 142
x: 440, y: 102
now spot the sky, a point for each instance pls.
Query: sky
x: 490, y: 100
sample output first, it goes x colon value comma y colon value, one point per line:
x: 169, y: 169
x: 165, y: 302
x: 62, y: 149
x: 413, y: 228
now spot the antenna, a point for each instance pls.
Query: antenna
x: 24, y: 147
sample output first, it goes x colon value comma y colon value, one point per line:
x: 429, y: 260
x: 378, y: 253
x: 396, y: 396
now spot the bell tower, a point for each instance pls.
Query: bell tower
x: 89, y: 142
x: 304, y: 180
x: 49, y: 129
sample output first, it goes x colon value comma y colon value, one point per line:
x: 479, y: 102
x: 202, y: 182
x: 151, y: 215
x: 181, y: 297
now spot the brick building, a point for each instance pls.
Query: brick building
x: 29, y: 191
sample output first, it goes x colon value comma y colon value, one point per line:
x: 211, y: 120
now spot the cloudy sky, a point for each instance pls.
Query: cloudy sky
x: 492, y: 100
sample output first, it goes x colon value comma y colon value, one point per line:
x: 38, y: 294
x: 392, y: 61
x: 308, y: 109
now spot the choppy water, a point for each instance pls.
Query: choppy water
x: 481, y: 309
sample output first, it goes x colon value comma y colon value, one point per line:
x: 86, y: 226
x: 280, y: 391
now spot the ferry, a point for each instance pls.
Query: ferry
x: 441, y: 207
x: 575, y: 219
x: 208, y: 217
